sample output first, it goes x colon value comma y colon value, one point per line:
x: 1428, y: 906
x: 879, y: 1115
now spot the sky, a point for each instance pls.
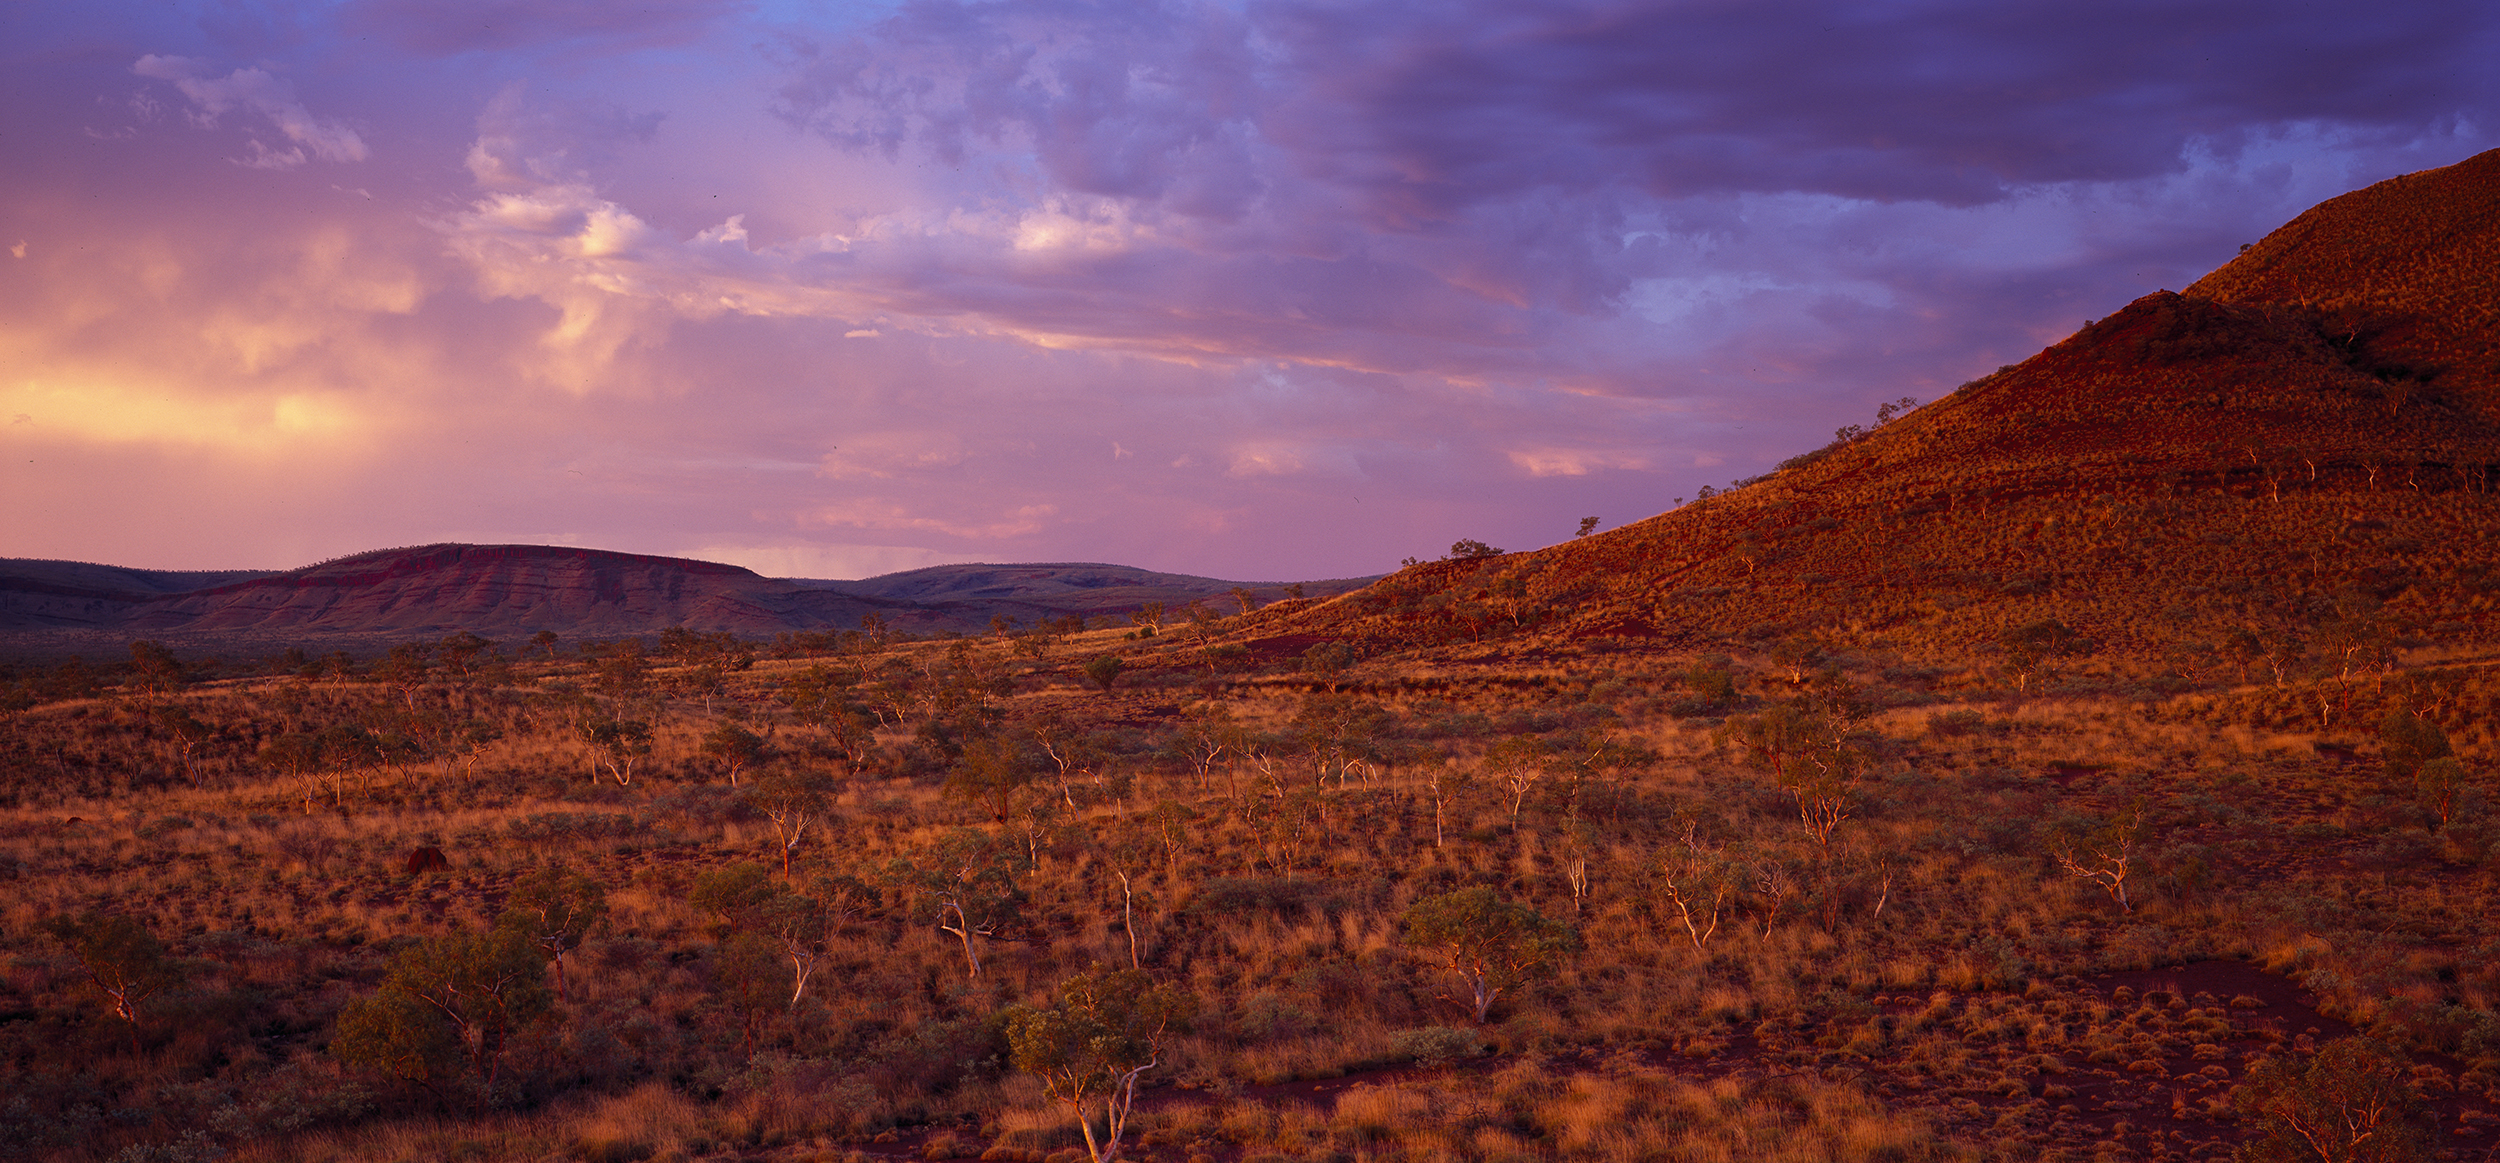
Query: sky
x: 1263, y: 290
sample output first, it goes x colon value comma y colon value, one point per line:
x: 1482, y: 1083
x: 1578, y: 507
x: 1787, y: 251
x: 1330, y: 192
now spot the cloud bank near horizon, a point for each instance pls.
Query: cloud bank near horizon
x: 1257, y: 290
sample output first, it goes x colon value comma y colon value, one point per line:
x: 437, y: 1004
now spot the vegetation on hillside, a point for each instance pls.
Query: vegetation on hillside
x: 1587, y: 903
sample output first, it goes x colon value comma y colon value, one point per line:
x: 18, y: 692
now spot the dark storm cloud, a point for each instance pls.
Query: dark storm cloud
x: 442, y: 27
x: 1433, y: 108
x: 1429, y: 108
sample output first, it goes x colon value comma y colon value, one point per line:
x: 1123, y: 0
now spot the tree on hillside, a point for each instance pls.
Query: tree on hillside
x: 1071, y: 753
x: 1446, y: 782
x: 555, y: 909
x: 1517, y: 763
x: 1094, y: 1043
x: 2028, y: 647
x: 1712, y: 679
x: 453, y: 1001
x: 747, y: 974
x: 1328, y: 661
x: 2407, y: 741
x: 967, y: 882
x: 792, y: 796
x: 346, y: 750
x: 989, y: 774
x: 2439, y: 781
x: 1340, y: 735
x: 188, y: 733
x: 735, y: 748
x: 463, y: 653
x: 1493, y: 945
x: 1470, y: 549
x: 822, y: 697
x: 125, y: 962
x: 406, y: 669
x: 154, y: 669
x: 799, y: 925
x: 623, y: 674
x: 1104, y: 670
x: 1149, y: 616
x: 1599, y: 755
x: 2101, y: 850
x: 1699, y: 882
x: 619, y: 745
x: 296, y: 758
x: 2349, y: 1104
x: 1806, y: 750
x: 1798, y: 656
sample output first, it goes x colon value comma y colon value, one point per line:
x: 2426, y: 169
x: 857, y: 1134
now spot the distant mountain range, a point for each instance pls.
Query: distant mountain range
x: 510, y: 591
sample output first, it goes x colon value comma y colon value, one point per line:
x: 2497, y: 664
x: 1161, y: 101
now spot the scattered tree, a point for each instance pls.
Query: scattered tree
x: 1329, y: 661
x: 1092, y: 1046
x: 154, y: 669
x: 735, y: 748
x: 1518, y: 762
x: 2101, y: 851
x: 968, y: 881
x: 989, y: 774
x: 2439, y: 781
x: 2407, y: 741
x: 1807, y: 751
x: 1104, y: 670
x: 2028, y: 647
x: 555, y: 909
x: 2349, y: 1104
x: 1698, y: 882
x: 618, y: 744
x: 460, y: 998
x: 1494, y: 945
x: 461, y: 652
x: 124, y: 961
x: 188, y: 733
x: 792, y: 796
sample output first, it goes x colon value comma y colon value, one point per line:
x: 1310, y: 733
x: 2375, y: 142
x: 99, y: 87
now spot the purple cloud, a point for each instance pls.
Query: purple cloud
x: 269, y: 97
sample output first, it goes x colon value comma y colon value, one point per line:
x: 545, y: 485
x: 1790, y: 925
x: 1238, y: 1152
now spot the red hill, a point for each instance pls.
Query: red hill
x: 2302, y: 442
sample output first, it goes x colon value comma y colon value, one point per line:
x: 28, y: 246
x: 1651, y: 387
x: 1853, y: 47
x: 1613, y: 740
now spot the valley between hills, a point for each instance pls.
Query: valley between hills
x: 2095, y: 764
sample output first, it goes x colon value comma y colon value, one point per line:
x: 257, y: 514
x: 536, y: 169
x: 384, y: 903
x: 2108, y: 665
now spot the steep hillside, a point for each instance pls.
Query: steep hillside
x: 2300, y: 447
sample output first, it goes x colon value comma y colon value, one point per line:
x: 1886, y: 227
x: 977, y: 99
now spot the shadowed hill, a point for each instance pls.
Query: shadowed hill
x: 492, y: 589
x: 1034, y: 590
x: 2301, y: 446
x: 509, y: 590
